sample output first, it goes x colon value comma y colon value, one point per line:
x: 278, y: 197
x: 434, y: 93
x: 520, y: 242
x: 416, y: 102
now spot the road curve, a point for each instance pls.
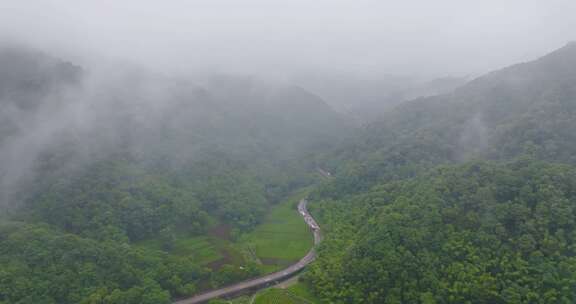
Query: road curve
x: 266, y: 279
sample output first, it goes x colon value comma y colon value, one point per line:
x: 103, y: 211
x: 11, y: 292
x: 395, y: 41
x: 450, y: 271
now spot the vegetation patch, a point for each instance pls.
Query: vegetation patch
x: 303, y: 291
x: 274, y: 296
x: 213, y: 249
x: 282, y: 238
x: 295, y: 294
x: 479, y: 232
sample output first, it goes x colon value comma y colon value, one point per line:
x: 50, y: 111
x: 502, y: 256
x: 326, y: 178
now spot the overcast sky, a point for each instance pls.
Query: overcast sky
x: 439, y: 37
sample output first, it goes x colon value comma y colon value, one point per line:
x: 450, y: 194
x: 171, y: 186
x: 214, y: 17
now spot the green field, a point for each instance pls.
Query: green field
x: 212, y: 249
x: 295, y: 294
x: 283, y: 237
x: 274, y: 296
x: 302, y: 291
x: 202, y: 248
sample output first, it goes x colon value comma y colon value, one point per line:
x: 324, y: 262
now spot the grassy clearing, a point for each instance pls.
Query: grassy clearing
x: 282, y: 238
x: 201, y: 248
x: 274, y: 296
x: 211, y: 250
x: 301, y: 290
x: 296, y: 294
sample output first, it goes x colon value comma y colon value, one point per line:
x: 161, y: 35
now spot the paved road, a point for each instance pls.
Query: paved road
x: 265, y: 280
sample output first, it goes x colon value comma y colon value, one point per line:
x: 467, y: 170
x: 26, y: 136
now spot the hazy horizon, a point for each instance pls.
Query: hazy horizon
x: 282, y: 38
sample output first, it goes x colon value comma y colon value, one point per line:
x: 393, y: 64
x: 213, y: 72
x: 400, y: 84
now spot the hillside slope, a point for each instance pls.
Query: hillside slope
x: 529, y: 108
x: 461, y: 198
x: 98, y: 164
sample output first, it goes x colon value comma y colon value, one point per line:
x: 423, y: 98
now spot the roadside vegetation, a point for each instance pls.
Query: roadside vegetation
x: 282, y: 238
x: 295, y: 293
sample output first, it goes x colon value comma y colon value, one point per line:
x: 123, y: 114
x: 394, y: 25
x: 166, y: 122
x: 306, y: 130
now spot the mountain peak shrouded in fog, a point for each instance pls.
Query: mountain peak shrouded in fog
x: 523, y: 109
x: 561, y: 58
x: 550, y: 72
x: 26, y: 75
x: 56, y: 114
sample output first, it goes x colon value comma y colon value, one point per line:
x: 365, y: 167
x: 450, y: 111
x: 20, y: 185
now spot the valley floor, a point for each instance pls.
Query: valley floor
x: 279, y: 241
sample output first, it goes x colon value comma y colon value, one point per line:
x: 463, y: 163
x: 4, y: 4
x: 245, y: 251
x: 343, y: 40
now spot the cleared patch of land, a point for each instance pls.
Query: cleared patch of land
x: 274, y: 296
x: 213, y: 249
x: 283, y: 237
x: 301, y: 290
x: 296, y: 294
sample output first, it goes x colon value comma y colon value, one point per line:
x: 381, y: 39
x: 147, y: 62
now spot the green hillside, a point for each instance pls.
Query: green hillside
x: 460, y: 198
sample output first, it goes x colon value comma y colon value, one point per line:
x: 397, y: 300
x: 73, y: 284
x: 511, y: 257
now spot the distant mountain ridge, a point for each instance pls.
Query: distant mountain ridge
x: 366, y: 98
x: 27, y: 75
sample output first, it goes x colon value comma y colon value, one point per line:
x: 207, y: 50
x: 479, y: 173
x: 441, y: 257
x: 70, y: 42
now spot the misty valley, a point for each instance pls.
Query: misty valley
x: 123, y: 185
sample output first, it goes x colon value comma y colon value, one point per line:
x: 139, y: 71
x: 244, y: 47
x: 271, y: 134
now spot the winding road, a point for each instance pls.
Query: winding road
x: 269, y: 278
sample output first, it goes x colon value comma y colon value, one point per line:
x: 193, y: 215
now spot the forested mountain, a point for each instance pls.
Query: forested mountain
x: 466, y: 197
x: 96, y: 162
x: 28, y: 75
x: 57, y: 116
x: 473, y: 233
x: 525, y: 108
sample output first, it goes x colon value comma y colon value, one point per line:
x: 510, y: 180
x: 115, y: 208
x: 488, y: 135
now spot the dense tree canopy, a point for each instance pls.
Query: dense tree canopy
x: 93, y: 170
x: 40, y: 265
x: 474, y: 233
x: 527, y: 108
x: 466, y: 197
